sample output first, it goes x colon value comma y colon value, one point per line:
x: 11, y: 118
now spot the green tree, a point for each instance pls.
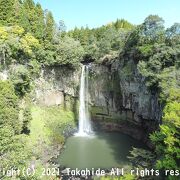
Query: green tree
x: 173, y: 34
x: 24, y: 18
x: 16, y: 46
x: 9, y: 107
x: 14, y: 152
x: 155, y: 63
x: 5, y: 53
x: 39, y: 22
x: 29, y: 7
x: 123, y: 24
x: 69, y: 52
x: 7, y: 12
x: 75, y: 33
x: 141, y: 157
x: 21, y: 79
x: 91, y: 49
x: 50, y: 26
x: 27, y: 117
x: 153, y: 29
x: 167, y: 140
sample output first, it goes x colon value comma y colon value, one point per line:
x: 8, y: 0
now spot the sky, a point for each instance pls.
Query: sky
x: 94, y: 13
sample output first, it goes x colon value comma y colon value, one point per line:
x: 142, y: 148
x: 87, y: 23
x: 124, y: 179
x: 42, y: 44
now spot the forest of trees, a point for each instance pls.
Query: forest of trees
x: 30, y: 39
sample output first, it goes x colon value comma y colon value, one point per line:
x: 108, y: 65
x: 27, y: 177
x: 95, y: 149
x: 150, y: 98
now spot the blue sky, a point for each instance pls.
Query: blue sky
x: 95, y: 13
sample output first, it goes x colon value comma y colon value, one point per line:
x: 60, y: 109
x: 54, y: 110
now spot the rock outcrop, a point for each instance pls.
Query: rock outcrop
x: 57, y: 86
x: 121, y: 101
x: 119, y: 98
x: 118, y: 91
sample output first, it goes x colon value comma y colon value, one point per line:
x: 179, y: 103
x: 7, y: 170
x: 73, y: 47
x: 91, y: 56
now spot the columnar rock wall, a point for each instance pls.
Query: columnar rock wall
x: 119, y: 92
x: 119, y: 98
x: 57, y: 85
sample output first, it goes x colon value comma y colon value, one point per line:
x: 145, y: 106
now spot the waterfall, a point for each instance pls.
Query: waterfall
x: 84, y: 116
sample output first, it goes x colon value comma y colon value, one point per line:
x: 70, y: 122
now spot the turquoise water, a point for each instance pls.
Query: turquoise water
x: 103, y: 150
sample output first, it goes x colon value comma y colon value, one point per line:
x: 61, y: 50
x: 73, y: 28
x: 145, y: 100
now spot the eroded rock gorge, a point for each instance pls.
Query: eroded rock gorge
x: 119, y: 98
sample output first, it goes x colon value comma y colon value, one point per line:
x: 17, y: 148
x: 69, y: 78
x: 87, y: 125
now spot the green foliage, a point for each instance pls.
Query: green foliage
x: 102, y: 41
x: 9, y: 107
x: 27, y: 117
x: 153, y: 29
x: 16, y: 46
x: 69, y: 52
x: 49, y: 26
x: 157, y: 55
x: 168, y: 81
x: 21, y: 79
x: 146, y: 50
x: 28, y: 15
x: 39, y: 24
x: 167, y: 140
x: 173, y: 34
x: 46, y: 130
x: 7, y: 12
x: 60, y: 120
x: 111, y: 40
x: 141, y: 157
x: 34, y: 68
x: 123, y: 24
x: 158, y: 64
x: 13, y: 148
x: 150, y: 32
x: 29, y: 43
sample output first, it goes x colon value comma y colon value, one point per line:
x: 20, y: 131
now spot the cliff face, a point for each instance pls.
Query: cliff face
x: 120, y: 100
x: 120, y: 92
x: 57, y: 86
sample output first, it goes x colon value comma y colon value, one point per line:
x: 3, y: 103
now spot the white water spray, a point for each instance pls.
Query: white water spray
x: 84, y: 116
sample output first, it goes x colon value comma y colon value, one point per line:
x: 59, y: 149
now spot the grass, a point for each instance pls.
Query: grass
x: 37, y: 127
x: 46, y: 133
x: 46, y: 121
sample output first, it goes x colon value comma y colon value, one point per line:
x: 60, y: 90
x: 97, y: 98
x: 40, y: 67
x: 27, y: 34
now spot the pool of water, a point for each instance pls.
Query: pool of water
x: 102, y: 150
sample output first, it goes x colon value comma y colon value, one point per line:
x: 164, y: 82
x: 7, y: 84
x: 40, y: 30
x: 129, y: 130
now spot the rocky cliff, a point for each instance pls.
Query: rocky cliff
x: 57, y: 85
x: 119, y: 98
x: 118, y: 87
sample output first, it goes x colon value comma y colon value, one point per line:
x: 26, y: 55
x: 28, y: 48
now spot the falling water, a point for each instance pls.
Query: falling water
x: 84, y: 116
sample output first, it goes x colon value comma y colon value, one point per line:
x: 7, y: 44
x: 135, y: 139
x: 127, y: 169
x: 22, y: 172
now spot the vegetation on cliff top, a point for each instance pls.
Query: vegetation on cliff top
x: 156, y: 51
